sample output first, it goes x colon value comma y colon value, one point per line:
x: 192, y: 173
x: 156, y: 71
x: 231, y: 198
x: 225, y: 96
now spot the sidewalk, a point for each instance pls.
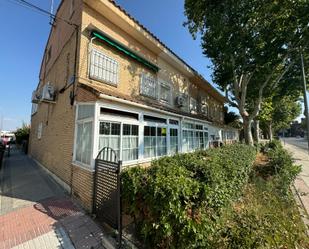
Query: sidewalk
x: 301, y: 184
x: 36, y: 213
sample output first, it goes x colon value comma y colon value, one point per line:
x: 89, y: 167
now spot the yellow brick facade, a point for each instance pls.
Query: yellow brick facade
x: 54, y: 150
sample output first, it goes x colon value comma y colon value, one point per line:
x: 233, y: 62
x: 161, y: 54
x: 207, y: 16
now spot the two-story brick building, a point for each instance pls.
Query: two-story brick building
x: 106, y: 80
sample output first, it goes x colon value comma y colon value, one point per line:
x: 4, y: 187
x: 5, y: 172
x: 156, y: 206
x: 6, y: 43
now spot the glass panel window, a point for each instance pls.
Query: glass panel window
x: 188, y: 125
x: 191, y: 140
x: 155, y: 141
x: 109, y: 136
x: 129, y: 142
x: 165, y: 92
x: 103, y: 67
x: 185, y: 141
x: 173, y: 122
x: 173, y: 141
x: 199, y: 127
x: 148, y: 86
x: 193, y: 105
x: 206, y: 138
x: 83, y: 146
x: 149, y: 141
x: 161, y: 141
x: 200, y: 140
x: 185, y: 106
x: 85, y: 111
x: 34, y: 108
x: 193, y: 136
x: 204, y: 106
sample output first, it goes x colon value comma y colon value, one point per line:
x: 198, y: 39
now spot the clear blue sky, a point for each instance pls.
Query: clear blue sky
x: 22, y: 43
x: 24, y: 33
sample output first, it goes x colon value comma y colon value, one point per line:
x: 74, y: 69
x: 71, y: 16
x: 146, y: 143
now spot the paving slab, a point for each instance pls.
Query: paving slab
x: 35, y: 212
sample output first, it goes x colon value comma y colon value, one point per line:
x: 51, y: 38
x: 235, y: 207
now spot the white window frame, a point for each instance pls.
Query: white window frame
x: 156, y: 125
x: 94, y: 75
x: 186, y: 106
x: 178, y: 127
x: 193, y: 105
x: 121, y: 121
x: 147, y: 77
x: 94, y: 132
x: 83, y: 122
x: 130, y: 136
x: 194, y: 130
x: 34, y: 108
x: 204, y: 106
x: 141, y: 124
x: 163, y: 84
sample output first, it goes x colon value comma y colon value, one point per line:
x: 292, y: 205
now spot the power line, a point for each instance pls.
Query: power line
x: 31, y: 6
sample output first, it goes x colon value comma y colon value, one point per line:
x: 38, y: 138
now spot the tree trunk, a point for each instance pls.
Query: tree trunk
x: 256, y: 134
x: 270, y: 131
x: 247, y: 131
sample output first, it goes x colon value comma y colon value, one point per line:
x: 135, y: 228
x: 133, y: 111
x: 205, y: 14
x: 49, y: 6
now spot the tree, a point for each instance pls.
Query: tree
x: 278, y: 112
x: 231, y: 118
x: 251, y: 44
x: 22, y: 133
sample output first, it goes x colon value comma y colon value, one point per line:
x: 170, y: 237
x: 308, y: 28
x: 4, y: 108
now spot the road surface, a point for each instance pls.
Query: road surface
x: 298, y: 147
x: 301, y: 143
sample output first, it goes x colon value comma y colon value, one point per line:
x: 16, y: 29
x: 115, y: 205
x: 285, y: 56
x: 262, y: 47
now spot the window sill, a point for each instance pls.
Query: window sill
x: 92, y: 78
x: 148, y: 96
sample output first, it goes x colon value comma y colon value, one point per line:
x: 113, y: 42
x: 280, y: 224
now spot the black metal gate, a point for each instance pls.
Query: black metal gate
x: 107, y: 187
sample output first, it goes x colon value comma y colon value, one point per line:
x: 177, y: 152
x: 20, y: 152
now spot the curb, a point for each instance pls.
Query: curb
x: 301, y: 207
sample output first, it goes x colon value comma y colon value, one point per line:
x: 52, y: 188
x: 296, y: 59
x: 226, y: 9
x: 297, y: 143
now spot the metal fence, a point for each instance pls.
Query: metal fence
x: 107, y: 190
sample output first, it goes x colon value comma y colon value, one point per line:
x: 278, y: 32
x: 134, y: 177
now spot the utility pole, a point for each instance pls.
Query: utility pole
x: 305, y: 94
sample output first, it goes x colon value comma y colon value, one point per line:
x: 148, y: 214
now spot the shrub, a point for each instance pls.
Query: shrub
x: 280, y: 167
x: 178, y: 202
x: 264, y: 220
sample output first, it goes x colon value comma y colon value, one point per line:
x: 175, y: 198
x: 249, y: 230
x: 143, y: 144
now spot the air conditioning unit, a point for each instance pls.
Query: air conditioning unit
x: 48, y: 93
x: 36, y: 97
x: 180, y: 101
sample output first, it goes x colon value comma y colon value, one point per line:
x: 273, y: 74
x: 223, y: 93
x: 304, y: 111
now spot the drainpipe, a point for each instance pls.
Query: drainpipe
x: 72, y: 94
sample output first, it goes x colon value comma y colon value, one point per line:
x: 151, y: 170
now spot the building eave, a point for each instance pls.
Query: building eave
x: 120, y: 17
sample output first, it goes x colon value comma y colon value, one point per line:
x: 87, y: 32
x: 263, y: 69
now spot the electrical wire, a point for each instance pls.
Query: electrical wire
x: 31, y: 6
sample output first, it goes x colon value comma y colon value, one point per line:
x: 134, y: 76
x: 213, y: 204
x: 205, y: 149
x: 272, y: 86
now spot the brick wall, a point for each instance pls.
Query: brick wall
x: 129, y: 70
x: 54, y: 149
x: 82, y: 183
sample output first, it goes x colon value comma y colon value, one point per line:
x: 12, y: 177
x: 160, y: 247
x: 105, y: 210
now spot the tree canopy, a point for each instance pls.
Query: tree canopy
x: 22, y: 133
x: 252, y: 45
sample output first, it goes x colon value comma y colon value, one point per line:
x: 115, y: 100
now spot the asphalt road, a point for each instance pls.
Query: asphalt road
x: 301, y: 143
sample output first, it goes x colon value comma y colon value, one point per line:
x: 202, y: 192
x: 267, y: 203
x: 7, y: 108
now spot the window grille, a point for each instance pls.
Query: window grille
x: 148, y: 86
x: 103, y: 67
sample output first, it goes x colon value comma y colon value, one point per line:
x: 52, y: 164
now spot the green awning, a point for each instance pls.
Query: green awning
x: 125, y: 50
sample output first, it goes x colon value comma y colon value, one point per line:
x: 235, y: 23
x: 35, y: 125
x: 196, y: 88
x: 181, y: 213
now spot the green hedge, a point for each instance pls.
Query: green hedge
x: 178, y: 202
x: 280, y: 167
x: 267, y: 215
